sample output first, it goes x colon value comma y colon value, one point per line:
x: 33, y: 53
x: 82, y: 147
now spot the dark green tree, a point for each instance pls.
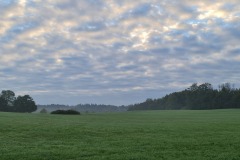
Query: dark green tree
x: 9, y: 96
x: 3, y: 105
x: 24, y: 104
x: 193, y: 87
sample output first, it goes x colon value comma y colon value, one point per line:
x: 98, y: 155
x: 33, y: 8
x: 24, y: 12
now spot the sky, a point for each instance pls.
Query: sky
x: 116, y: 52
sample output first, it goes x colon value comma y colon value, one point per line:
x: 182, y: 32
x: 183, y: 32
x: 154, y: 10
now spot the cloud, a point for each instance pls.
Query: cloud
x: 108, y: 51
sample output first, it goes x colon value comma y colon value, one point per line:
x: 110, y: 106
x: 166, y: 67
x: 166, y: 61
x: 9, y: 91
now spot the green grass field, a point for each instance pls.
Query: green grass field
x: 146, y: 135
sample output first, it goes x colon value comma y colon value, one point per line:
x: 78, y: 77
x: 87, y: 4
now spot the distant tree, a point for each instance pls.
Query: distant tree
x: 226, y: 87
x: 236, y: 99
x: 8, y: 96
x: 205, y: 87
x: 24, y: 104
x: 43, y: 110
x: 193, y: 87
x: 3, y: 105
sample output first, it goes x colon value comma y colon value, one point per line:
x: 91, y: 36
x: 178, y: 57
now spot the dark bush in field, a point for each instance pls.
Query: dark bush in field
x: 68, y: 112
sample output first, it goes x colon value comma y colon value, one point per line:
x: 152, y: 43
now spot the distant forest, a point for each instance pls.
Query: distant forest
x: 196, y: 97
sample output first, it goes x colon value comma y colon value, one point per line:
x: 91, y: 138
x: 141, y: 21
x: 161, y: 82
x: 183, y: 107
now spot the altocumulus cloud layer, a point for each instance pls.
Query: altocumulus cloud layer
x: 116, y: 52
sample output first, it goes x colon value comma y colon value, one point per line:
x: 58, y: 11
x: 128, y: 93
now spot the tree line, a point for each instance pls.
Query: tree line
x: 196, y: 97
x: 10, y: 103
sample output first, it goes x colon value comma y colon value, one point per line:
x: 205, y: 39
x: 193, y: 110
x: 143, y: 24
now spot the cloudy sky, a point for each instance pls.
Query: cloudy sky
x: 116, y: 51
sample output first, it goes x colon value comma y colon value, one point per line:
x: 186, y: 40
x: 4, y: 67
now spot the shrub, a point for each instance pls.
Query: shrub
x: 68, y: 112
x: 43, y: 110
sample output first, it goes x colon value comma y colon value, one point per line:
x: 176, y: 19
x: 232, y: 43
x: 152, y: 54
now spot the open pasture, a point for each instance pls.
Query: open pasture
x: 144, y: 135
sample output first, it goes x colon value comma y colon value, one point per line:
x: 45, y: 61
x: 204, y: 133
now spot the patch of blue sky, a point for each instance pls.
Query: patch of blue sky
x: 6, y: 3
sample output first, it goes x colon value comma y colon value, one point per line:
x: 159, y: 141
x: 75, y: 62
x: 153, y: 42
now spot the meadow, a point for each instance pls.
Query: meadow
x: 140, y: 135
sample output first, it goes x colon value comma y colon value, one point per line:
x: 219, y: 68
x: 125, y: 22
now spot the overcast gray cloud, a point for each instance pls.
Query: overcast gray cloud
x: 116, y: 52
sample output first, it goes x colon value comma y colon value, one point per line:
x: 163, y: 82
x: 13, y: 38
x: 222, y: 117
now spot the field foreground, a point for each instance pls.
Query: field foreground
x: 146, y: 135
